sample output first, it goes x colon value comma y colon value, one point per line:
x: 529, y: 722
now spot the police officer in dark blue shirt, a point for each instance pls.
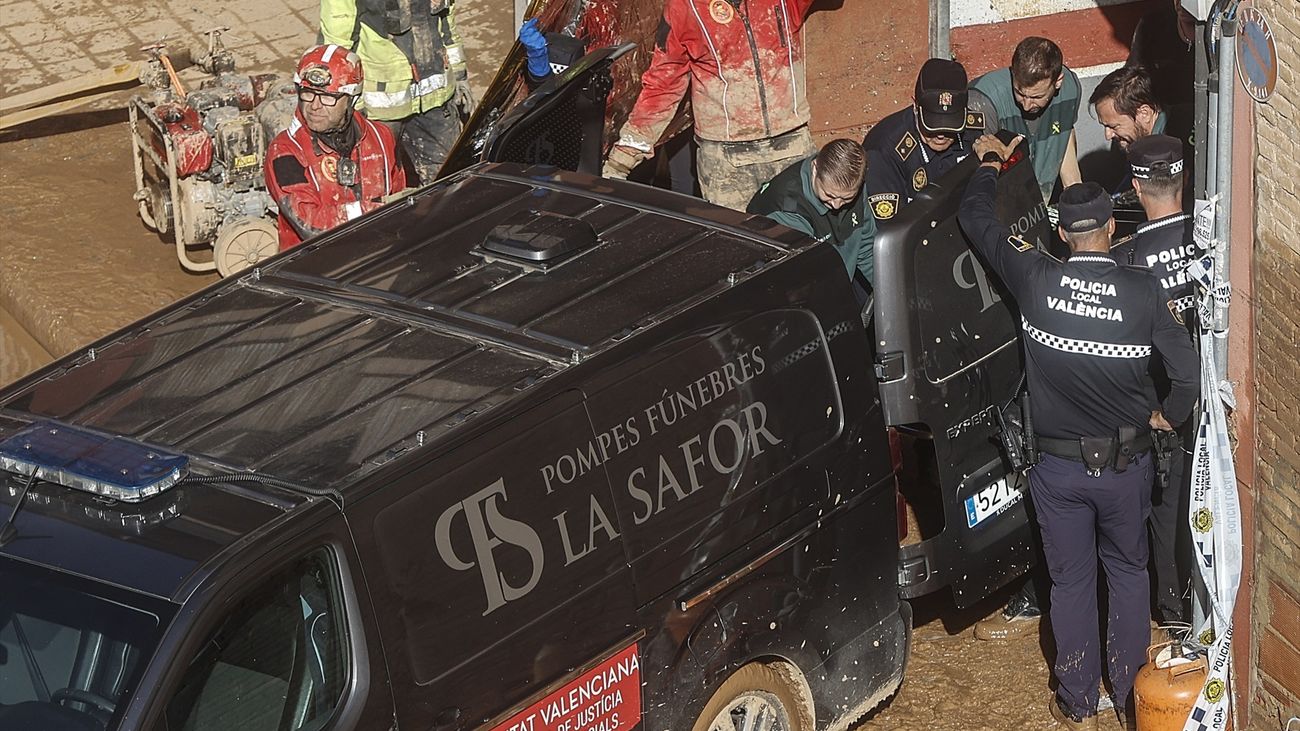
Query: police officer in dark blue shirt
x: 1090, y: 327
x: 913, y: 146
x: 1164, y: 244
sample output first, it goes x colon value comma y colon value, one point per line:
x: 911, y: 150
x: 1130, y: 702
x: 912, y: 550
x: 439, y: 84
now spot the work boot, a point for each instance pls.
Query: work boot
x: 1065, y: 721
x: 1019, y: 618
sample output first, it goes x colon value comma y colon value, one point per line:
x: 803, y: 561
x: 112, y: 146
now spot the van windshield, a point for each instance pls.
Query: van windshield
x: 71, y: 652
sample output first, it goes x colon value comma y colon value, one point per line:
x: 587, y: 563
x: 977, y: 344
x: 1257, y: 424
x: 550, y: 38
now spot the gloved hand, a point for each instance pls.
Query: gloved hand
x: 620, y: 162
x: 463, y: 99
x: 531, y: 38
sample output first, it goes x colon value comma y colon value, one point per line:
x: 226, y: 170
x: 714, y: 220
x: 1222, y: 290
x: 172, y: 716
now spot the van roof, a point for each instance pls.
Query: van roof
x: 393, y: 331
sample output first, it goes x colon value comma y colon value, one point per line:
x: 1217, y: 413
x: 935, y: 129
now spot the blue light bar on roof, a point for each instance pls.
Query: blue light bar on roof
x: 111, y: 466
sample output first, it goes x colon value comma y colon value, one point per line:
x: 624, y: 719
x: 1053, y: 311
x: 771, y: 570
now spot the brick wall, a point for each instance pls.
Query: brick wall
x: 1274, y: 641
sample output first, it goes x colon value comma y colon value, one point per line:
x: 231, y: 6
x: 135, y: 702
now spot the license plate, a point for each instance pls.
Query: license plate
x: 993, y: 499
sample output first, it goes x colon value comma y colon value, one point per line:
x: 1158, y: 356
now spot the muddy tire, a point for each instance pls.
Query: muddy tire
x: 244, y: 243
x: 759, y: 697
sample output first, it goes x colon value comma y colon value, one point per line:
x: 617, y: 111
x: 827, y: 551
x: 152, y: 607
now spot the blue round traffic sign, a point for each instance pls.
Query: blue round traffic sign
x: 1256, y: 54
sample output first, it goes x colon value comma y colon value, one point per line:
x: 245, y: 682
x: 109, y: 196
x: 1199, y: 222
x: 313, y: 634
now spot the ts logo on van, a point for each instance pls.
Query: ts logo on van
x: 489, y: 530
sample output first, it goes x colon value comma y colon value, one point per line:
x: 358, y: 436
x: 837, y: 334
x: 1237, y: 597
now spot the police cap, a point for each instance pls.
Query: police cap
x: 1084, y: 207
x: 941, y: 96
x: 1155, y: 156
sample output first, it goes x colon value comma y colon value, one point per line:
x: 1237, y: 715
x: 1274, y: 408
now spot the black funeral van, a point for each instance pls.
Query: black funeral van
x: 527, y: 450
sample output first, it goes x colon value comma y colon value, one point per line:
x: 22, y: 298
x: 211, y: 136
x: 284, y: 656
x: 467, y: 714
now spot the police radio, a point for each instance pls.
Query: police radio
x: 1016, y: 430
x: 346, y: 172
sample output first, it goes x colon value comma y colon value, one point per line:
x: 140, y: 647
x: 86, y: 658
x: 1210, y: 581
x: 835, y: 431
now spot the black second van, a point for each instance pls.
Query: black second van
x: 527, y: 451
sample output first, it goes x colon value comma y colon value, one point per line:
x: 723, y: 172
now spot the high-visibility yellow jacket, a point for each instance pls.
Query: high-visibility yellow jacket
x: 410, y: 52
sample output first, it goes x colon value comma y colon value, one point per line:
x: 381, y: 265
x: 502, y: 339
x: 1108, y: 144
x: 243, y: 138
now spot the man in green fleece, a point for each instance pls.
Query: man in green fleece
x: 822, y: 197
x: 1038, y: 97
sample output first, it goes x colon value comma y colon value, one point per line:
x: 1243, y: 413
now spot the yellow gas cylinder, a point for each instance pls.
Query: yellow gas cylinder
x: 1166, y: 687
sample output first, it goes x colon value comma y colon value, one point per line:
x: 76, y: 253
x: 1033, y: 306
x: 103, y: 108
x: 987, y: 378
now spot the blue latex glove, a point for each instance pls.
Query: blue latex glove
x: 534, y: 43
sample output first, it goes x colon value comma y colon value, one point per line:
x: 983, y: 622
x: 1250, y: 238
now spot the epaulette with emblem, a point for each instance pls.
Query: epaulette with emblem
x: 1119, y: 254
x: 974, y: 119
x: 905, y: 146
x: 1020, y: 243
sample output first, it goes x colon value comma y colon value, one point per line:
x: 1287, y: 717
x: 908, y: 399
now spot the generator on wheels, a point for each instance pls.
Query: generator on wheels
x: 198, y: 158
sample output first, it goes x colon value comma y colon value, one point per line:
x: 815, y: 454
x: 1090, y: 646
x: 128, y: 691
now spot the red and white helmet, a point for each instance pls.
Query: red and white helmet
x: 331, y: 69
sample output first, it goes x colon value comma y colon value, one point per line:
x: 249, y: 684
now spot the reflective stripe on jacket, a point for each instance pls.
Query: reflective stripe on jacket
x: 410, y: 51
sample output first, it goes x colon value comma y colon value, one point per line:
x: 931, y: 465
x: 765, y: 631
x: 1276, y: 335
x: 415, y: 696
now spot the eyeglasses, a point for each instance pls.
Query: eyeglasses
x: 307, y: 96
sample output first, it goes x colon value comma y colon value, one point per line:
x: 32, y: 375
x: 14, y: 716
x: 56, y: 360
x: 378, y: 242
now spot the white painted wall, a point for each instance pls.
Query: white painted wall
x: 980, y: 12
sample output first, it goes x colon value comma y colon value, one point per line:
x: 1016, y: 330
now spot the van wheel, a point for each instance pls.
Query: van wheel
x: 759, y: 697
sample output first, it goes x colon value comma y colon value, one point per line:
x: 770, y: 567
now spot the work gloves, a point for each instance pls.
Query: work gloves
x: 534, y: 43
x: 620, y: 162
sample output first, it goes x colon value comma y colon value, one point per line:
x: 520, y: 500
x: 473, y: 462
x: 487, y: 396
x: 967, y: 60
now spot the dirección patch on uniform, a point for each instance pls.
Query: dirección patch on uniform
x: 884, y: 205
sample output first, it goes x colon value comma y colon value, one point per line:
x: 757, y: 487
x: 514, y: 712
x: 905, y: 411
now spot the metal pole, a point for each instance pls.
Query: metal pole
x: 1223, y: 175
x: 1202, y: 138
x: 940, y: 29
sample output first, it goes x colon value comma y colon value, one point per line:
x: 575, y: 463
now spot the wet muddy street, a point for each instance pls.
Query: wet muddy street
x: 955, y: 682
x: 77, y: 261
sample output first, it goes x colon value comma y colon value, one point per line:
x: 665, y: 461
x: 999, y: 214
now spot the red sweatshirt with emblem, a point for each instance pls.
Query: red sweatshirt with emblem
x: 302, y: 176
x: 743, y: 61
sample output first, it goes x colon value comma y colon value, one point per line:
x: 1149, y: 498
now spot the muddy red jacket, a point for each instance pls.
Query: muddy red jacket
x: 303, y: 179
x: 743, y: 62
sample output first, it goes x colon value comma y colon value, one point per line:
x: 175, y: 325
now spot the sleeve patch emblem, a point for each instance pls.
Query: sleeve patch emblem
x: 884, y: 205
x: 1176, y: 311
x: 905, y: 146
x: 919, y: 179
x: 1019, y: 243
x: 721, y: 11
x: 975, y: 120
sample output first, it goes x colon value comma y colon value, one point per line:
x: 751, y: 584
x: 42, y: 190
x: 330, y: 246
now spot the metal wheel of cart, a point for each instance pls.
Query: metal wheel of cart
x: 244, y: 243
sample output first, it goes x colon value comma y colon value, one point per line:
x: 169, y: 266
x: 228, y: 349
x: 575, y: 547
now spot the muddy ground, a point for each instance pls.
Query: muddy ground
x: 76, y: 263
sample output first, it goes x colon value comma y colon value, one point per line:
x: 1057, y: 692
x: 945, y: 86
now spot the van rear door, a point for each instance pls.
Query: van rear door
x: 947, y: 357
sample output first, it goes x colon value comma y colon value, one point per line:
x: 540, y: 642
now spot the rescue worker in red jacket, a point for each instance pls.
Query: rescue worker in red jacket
x: 331, y: 165
x: 743, y: 61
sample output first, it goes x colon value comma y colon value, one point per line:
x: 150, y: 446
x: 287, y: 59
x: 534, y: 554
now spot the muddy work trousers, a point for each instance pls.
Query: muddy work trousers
x: 732, y: 172
x: 427, y: 139
x: 1084, y: 518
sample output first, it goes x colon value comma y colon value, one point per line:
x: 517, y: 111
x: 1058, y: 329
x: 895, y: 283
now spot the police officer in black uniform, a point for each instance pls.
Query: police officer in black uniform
x: 1090, y: 327
x: 913, y: 146
x: 1164, y: 244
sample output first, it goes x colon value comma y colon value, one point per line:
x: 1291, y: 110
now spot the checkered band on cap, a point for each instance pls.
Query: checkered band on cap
x: 1085, y: 347
x: 1155, y: 156
x: 1147, y: 172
